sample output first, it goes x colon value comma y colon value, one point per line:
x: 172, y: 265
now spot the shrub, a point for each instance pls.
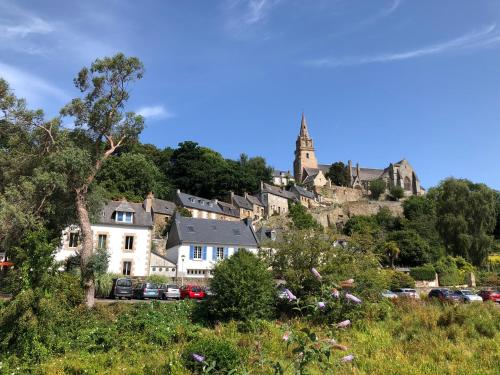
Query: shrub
x: 104, y: 284
x: 301, y: 218
x: 397, y: 192
x: 425, y: 272
x: 400, y: 280
x: 158, y: 279
x: 219, y: 353
x: 377, y: 188
x: 243, y: 289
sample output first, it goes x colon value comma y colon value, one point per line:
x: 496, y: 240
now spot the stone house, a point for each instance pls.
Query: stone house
x: 204, y: 208
x: 282, y: 178
x: 305, y: 197
x: 196, y: 245
x: 257, y: 206
x: 249, y: 206
x: 275, y: 199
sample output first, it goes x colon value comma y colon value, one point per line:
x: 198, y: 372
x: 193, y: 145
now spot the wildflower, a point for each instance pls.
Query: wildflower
x: 197, y: 357
x: 316, y: 273
x: 347, y: 358
x: 321, y: 305
x: 286, y: 336
x: 352, y: 298
x: 290, y: 295
x: 344, y: 324
x: 335, y: 293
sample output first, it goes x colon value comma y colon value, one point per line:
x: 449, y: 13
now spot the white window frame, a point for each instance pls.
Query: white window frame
x: 126, y: 243
x: 220, y: 253
x: 99, y: 244
x: 127, y: 271
x: 124, y: 217
x: 197, y: 250
x: 70, y: 242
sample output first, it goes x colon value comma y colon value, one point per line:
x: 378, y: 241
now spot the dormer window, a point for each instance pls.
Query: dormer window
x: 124, y: 217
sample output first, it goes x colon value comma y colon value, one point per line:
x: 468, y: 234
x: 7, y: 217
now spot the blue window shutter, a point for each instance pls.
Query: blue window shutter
x: 214, y: 253
x: 204, y: 253
x: 226, y: 252
x: 191, y: 252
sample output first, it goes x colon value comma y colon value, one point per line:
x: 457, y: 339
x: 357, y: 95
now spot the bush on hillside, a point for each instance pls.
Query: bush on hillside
x: 243, y: 289
x: 397, y: 192
x: 400, y: 280
x: 423, y: 273
x: 377, y: 188
x: 453, y: 271
x: 301, y: 218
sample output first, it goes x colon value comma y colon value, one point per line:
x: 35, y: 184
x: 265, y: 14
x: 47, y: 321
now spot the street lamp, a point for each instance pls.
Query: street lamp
x: 182, y: 269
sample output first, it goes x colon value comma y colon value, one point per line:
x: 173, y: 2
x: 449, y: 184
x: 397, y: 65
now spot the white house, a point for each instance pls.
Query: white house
x: 196, y: 245
x: 124, y: 229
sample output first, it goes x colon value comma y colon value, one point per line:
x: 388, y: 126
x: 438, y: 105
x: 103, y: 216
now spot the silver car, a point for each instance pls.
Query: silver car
x: 172, y: 291
x: 407, y: 292
x: 467, y: 296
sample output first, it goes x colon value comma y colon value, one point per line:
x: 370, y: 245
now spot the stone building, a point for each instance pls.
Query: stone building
x: 282, y: 178
x: 309, y: 172
x: 249, y: 206
x: 205, y: 208
x: 305, y: 197
x: 275, y: 199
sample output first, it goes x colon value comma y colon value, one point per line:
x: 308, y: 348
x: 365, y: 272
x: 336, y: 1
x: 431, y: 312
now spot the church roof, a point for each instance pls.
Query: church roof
x: 304, y: 132
x: 369, y: 174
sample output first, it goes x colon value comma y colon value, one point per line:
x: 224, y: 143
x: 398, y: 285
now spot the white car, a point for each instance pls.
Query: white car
x: 467, y: 296
x: 388, y: 294
x: 406, y: 292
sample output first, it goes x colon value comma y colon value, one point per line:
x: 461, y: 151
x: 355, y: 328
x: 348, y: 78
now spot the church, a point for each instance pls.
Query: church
x: 310, y: 173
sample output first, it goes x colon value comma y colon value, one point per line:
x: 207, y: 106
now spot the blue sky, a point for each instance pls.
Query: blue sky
x: 379, y: 80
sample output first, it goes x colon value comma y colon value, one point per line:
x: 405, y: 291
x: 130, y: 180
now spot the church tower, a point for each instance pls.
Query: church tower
x: 304, y: 152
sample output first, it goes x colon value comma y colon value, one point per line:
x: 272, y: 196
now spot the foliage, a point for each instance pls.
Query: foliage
x: 377, y: 188
x: 220, y: 355
x: 425, y: 272
x: 104, y: 284
x: 392, y: 251
x: 243, y: 289
x: 466, y: 218
x: 397, y: 192
x: 414, y: 250
x: 158, y: 279
x: 301, y: 218
x: 361, y: 224
x: 183, y: 211
x: 453, y: 271
x: 339, y: 174
x: 400, y: 280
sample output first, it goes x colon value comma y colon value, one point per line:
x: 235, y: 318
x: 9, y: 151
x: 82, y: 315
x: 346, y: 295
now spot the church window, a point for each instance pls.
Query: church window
x: 407, y: 183
x: 307, y: 155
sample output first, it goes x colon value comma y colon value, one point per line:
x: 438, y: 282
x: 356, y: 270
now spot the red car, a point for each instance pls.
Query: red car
x: 490, y: 295
x: 192, y: 291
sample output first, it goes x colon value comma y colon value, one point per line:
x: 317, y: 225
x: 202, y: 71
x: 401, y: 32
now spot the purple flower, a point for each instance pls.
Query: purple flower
x: 316, y: 273
x: 286, y: 336
x: 344, y: 324
x: 347, y: 358
x: 290, y: 295
x: 321, y: 305
x: 197, y: 357
x: 335, y: 293
x: 352, y: 298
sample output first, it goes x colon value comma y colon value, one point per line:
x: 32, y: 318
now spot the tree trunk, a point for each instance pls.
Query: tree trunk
x: 87, y: 245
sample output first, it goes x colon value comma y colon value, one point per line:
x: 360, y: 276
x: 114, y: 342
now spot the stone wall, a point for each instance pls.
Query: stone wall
x: 339, y: 194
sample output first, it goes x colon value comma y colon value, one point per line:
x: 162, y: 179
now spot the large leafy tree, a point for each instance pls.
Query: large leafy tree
x: 377, y: 188
x: 101, y: 127
x: 466, y: 218
x: 339, y: 174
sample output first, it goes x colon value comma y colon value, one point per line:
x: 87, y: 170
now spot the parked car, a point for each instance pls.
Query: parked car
x: 192, y: 292
x: 443, y: 294
x: 170, y: 291
x: 122, y: 288
x: 406, y: 292
x: 490, y: 295
x: 146, y: 290
x: 388, y: 294
x: 467, y: 296
x: 208, y: 291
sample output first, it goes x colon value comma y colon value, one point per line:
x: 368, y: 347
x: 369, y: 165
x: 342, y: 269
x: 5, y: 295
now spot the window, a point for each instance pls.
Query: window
x: 160, y: 269
x: 129, y: 243
x: 154, y: 269
x: 123, y: 217
x: 127, y: 267
x: 220, y: 253
x: 307, y: 155
x: 73, y: 239
x: 101, y: 241
x: 197, y: 252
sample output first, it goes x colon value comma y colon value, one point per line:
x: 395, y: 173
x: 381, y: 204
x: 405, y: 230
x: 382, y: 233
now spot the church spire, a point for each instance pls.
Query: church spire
x: 303, y: 127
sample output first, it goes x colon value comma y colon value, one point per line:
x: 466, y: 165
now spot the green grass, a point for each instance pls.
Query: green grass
x: 408, y: 338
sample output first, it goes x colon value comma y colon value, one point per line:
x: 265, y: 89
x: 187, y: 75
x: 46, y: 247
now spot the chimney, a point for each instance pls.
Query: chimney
x: 148, y: 202
x: 261, y: 185
x: 245, y: 195
x: 231, y: 197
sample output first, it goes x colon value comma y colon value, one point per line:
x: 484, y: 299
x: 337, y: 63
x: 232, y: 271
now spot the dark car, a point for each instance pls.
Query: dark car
x: 490, y: 295
x: 122, y: 288
x: 444, y: 295
x: 146, y: 290
x: 192, y: 291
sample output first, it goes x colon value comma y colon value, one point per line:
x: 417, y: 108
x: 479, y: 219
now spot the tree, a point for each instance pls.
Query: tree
x: 466, y: 218
x: 377, y: 188
x: 392, y: 250
x: 243, y: 289
x: 301, y: 218
x: 397, y: 192
x: 101, y: 127
x: 414, y: 250
x: 339, y: 174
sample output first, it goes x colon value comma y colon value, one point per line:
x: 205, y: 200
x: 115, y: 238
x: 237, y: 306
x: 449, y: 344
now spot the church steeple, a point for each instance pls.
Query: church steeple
x: 304, y: 152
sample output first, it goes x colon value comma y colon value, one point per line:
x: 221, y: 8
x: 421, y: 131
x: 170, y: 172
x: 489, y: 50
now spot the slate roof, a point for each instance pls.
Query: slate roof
x: 255, y: 200
x: 241, y: 202
x: 369, y: 174
x: 191, y: 201
x: 124, y: 206
x: 271, y: 189
x: 188, y: 230
x: 269, y: 234
x: 229, y: 209
x: 303, y: 192
x: 141, y: 217
x: 163, y: 207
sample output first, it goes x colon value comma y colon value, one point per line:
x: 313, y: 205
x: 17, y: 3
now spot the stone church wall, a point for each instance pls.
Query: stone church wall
x: 339, y: 194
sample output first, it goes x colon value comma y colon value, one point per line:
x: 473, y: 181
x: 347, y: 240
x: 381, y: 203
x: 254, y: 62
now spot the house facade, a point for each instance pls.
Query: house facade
x: 305, y: 197
x: 282, y: 178
x: 204, y: 208
x: 196, y: 245
x: 275, y: 199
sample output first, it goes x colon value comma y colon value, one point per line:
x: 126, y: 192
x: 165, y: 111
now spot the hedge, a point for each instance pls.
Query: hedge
x: 423, y: 273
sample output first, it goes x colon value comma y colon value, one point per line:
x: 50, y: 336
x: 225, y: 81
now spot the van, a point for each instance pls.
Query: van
x: 122, y: 288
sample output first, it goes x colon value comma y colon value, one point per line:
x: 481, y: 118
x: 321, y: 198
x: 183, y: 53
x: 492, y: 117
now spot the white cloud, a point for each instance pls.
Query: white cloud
x: 243, y: 14
x: 34, y: 89
x: 32, y: 25
x: 484, y: 37
x: 156, y: 112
